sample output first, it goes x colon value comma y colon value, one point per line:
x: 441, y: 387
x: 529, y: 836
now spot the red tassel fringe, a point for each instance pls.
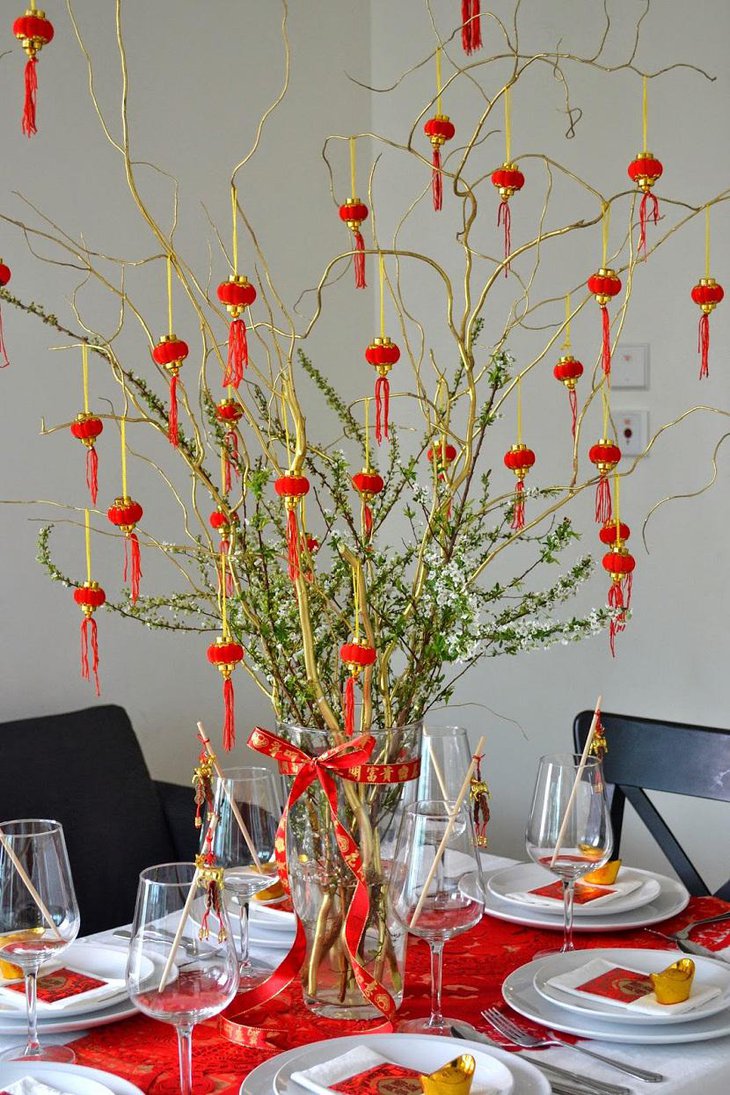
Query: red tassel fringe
x: 132, y: 566
x: 348, y: 706
x: 292, y: 541
x: 604, y: 511
x: 367, y: 514
x: 29, y: 106
x: 6, y: 360
x: 92, y: 472
x: 703, y: 345
x: 618, y: 622
x: 237, y: 353
x: 606, y: 348
x: 471, y: 28
x: 645, y: 216
x: 382, y: 408
x: 518, y: 517
x: 229, y: 722
x: 172, y: 427
x: 89, y: 624
x: 359, y: 261
x: 573, y: 400
x: 504, y: 216
x: 437, y: 182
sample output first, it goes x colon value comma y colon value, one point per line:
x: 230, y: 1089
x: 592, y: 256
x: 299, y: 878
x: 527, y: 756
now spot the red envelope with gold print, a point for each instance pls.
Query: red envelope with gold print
x: 618, y: 984
x: 583, y: 892
x: 385, y: 1079
x: 62, y: 984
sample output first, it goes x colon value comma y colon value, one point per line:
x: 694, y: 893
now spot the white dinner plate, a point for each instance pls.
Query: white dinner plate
x: 707, y: 973
x: 57, y: 1024
x: 671, y: 899
x: 93, y: 959
x: 412, y: 1050
x: 529, y: 876
x: 520, y: 993
x: 263, y: 916
x: 75, y: 1079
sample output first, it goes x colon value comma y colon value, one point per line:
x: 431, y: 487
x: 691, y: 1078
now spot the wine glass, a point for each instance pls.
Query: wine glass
x: 569, y: 828
x: 39, y: 916
x: 445, y: 758
x: 246, y: 795
x: 434, y: 883
x: 182, y: 966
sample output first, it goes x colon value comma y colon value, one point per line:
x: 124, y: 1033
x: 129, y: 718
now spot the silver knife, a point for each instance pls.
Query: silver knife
x: 586, y: 1085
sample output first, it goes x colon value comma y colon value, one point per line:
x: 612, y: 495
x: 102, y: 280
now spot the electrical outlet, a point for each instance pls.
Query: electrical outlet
x: 630, y: 366
x: 632, y: 428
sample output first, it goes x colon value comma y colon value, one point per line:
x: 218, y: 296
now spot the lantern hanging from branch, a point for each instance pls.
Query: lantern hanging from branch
x: 226, y: 524
x: 519, y: 459
x: 471, y: 28
x: 353, y: 213
x: 86, y: 428
x: 605, y: 284
x: 5, y: 276
x: 438, y: 129
x: 605, y: 454
x: 645, y: 170
x: 507, y: 179
x: 126, y: 514
x: 368, y: 485
x: 444, y: 453
x: 237, y: 294
x: 292, y: 488
x: 169, y: 353
x: 229, y: 413
x: 356, y: 656
x: 382, y: 354
x: 568, y: 371
x: 225, y: 655
x: 620, y: 563
x: 614, y: 532
x: 707, y: 293
x: 89, y: 597
x: 34, y: 32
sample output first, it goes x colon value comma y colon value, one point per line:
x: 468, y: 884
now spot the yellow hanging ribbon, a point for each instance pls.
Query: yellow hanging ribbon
x: 286, y: 428
x: 381, y: 270
x: 438, y: 79
x: 356, y: 600
x: 224, y: 602
x: 170, y: 328
x: 87, y: 536
x: 566, y: 341
x: 123, y: 439
x: 707, y: 241
x: 644, y: 114
x: 353, y: 165
x: 234, y: 214
x: 367, y: 432
x: 617, y: 504
x: 519, y: 411
x: 85, y: 374
x: 508, y: 124
x: 604, y: 400
x: 223, y: 469
x: 605, y: 227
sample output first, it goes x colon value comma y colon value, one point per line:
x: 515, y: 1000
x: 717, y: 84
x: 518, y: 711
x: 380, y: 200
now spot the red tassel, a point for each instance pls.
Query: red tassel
x: 628, y: 588
x: 518, y: 517
x: 437, y: 182
x: 87, y: 623
x: 92, y: 472
x: 136, y: 566
x: 471, y: 30
x: 359, y: 261
x: 237, y: 353
x: 229, y: 467
x: 292, y: 540
x: 29, y: 106
x: 348, y: 706
x: 606, y: 348
x: 618, y: 622
x: 382, y: 407
x: 172, y: 418
x: 703, y: 345
x: 504, y: 216
x: 367, y: 521
x: 573, y: 400
x: 604, y: 511
x: 645, y: 216
x: 229, y: 724
x: 3, y: 351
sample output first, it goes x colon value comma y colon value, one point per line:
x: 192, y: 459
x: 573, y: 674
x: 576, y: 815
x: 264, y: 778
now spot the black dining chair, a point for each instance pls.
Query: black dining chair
x: 653, y: 755
x: 86, y: 770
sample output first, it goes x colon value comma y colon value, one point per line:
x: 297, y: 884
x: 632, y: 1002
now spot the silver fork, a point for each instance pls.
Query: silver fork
x: 681, y: 938
x: 520, y: 1037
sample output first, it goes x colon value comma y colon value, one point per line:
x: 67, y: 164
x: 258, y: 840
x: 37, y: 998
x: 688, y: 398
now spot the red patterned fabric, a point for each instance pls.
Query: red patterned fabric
x: 145, y: 1051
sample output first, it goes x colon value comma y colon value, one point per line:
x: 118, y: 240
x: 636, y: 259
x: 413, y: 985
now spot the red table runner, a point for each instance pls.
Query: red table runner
x: 475, y: 965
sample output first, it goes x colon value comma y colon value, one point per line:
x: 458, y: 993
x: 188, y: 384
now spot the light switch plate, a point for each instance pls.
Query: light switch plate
x: 632, y: 431
x: 630, y: 366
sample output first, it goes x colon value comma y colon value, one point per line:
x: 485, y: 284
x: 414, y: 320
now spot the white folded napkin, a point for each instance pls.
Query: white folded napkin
x: 29, y: 1086
x: 321, y: 1078
x: 613, y: 892
x: 647, y: 1005
x: 11, y: 998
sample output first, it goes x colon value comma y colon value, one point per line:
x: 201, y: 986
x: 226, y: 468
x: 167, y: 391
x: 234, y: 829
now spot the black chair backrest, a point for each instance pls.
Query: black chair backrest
x: 86, y: 770
x: 651, y: 755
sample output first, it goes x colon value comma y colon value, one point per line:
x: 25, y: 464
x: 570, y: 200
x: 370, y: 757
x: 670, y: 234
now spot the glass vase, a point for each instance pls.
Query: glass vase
x: 322, y: 884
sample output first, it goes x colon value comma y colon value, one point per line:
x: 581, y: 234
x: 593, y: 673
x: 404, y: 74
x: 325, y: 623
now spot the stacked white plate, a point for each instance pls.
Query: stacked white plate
x: 74, y: 1079
x: 529, y: 991
x: 497, y: 1072
x: 270, y: 928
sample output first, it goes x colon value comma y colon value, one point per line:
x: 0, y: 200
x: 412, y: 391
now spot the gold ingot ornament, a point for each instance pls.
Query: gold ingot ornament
x: 604, y: 876
x: 454, y: 1078
x: 674, y: 984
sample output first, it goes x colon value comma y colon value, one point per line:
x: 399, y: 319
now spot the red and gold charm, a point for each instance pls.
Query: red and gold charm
x: 353, y: 213
x: 645, y: 170
x: 569, y: 371
x: 519, y: 459
x: 479, y: 796
x: 86, y: 428
x: 605, y: 284
x: 5, y: 276
x: 203, y: 784
x: 368, y: 484
x: 229, y: 413
x: 382, y: 354
x: 707, y: 293
x: 237, y: 294
x: 126, y: 515
x: 292, y: 488
x: 508, y: 179
x: 34, y: 32
x: 438, y: 129
x: 169, y: 353
x: 89, y: 597
x: 356, y: 657
x: 605, y: 454
x: 619, y: 563
x: 226, y: 654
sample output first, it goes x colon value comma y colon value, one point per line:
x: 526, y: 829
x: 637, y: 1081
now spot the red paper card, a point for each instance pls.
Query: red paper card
x: 619, y: 984
x: 61, y: 985
x: 385, y: 1079
x: 583, y: 892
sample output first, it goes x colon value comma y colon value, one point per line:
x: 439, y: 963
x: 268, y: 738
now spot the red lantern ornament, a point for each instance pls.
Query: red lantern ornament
x: 620, y: 564
x: 356, y: 657
x: 438, y: 130
x: 226, y: 654
x: 170, y: 352
x: 605, y: 455
x: 644, y: 171
x: 86, y: 428
x: 612, y: 533
x: 382, y: 354
x: 5, y: 276
x: 368, y: 484
x: 292, y: 488
x: 126, y: 515
x: 229, y: 413
x: 708, y: 294
x: 445, y: 454
x: 225, y: 523
x: 519, y: 459
x: 471, y: 28
x: 604, y: 285
x: 237, y: 294
x: 569, y: 371
x: 508, y: 179
x: 34, y: 32
x: 89, y: 597
x: 353, y: 213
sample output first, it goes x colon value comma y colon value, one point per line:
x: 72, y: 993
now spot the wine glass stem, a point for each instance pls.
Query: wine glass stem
x: 437, y: 969
x: 568, y: 892
x: 185, y: 1053
x: 243, y: 922
x: 33, y: 1047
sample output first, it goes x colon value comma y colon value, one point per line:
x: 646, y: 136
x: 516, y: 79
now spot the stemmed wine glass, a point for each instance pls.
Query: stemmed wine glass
x: 181, y: 980
x: 445, y: 758
x: 434, y: 888
x: 569, y: 828
x: 256, y: 800
x: 39, y: 916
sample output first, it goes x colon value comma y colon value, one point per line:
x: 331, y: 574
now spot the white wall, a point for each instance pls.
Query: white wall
x: 198, y: 86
